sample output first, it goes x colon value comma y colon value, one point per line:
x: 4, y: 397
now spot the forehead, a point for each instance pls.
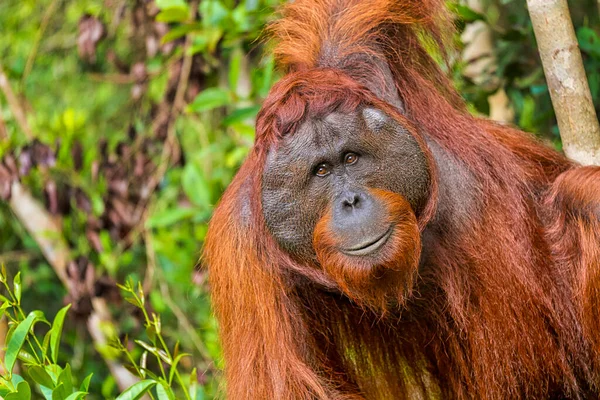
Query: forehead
x: 322, y: 134
x: 323, y: 139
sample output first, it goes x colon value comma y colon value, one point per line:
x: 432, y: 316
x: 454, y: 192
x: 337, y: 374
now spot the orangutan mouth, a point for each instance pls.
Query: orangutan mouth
x: 370, y: 247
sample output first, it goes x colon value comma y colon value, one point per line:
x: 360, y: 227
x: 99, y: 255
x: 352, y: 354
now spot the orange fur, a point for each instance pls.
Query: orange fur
x: 503, y: 304
x: 387, y: 280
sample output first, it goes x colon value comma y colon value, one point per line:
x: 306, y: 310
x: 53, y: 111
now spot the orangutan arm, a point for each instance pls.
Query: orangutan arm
x: 574, y: 202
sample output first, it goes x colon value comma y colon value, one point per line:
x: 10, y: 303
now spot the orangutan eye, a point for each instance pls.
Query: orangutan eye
x: 350, y: 158
x: 322, y: 170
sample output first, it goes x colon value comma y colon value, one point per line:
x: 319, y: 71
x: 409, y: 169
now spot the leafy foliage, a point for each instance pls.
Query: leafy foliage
x: 37, y: 357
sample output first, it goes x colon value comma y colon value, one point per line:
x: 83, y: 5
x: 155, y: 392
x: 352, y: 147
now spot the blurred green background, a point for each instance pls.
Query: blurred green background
x: 137, y: 114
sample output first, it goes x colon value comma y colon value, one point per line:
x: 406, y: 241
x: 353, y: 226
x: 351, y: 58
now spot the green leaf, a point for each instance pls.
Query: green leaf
x: 174, y: 14
x: 197, y: 391
x: 241, y: 115
x: 465, y: 13
x: 77, y: 396
x: 46, y: 392
x: 252, y: 5
x: 174, y: 365
x: 236, y: 157
x: 179, y: 31
x: 27, y: 357
x: 169, y: 217
x: 60, y: 392
x: 164, y: 392
x: 57, y: 326
x: 267, y: 76
x: 17, y: 287
x: 40, y: 376
x: 164, y: 4
x: 156, y: 351
x: 240, y: 17
x: 235, y: 66
x: 18, y: 338
x: 195, y: 186
x: 23, y: 392
x: 46, y: 341
x: 85, y: 385
x: 4, y: 390
x: 589, y: 41
x: 209, y: 99
x: 4, y: 307
x: 137, y: 391
x: 214, y: 13
x: 527, y: 113
x: 66, y: 379
x: 16, y: 379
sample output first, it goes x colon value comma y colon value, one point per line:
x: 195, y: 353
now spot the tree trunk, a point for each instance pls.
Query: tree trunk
x: 569, y: 88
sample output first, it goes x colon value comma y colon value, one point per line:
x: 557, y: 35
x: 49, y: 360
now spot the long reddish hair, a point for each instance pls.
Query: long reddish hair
x: 495, y: 311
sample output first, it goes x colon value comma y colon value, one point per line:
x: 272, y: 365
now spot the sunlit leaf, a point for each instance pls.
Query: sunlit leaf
x: 77, y: 395
x: 174, y: 14
x: 56, y: 331
x: 136, y: 391
x: 241, y: 115
x: 164, y: 392
x: 18, y: 338
x: 85, y: 384
x: 39, y: 375
x: 17, y: 287
x: 209, y: 99
x: 66, y: 379
x: 195, y: 186
x: 23, y: 392
x: 169, y: 217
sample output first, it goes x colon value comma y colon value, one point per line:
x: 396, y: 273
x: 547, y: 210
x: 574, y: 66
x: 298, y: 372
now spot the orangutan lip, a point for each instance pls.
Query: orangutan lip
x: 370, y: 247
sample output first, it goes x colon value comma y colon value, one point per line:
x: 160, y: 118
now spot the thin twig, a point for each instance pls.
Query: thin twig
x: 3, y: 130
x: 3, y: 333
x: 125, y: 79
x: 96, y: 322
x: 118, y: 79
x: 15, y: 105
x: 116, y: 20
x: 169, y: 148
x: 16, y: 256
x: 50, y: 11
x: 46, y: 230
x: 166, y: 297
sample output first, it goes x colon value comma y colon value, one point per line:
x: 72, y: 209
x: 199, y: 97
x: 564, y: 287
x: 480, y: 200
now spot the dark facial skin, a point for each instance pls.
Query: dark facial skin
x: 328, y: 166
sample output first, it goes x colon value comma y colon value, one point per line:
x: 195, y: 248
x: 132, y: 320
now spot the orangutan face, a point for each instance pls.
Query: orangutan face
x: 343, y: 191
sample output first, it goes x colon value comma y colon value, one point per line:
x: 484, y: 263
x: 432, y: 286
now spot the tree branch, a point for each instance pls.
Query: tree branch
x: 569, y: 88
x: 47, y: 233
x: 15, y: 106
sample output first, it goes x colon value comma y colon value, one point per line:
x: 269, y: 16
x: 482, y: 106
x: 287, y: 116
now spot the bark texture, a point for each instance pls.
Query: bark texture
x: 569, y: 88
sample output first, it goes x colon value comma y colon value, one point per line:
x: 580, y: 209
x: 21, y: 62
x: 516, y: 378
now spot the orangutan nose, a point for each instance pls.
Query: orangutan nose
x: 351, y: 201
x: 358, y: 219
